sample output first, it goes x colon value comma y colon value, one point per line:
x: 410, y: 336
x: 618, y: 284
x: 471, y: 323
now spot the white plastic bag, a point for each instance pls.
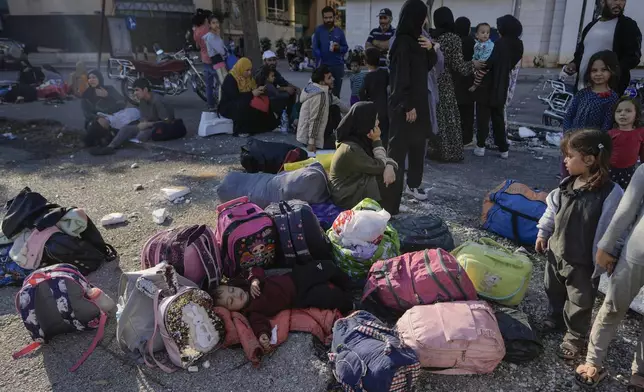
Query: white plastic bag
x: 364, y: 228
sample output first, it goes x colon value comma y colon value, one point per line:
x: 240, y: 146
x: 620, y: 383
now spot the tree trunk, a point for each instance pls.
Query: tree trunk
x: 251, y: 36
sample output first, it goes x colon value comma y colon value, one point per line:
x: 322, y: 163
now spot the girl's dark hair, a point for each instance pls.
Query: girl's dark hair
x: 216, y: 14
x: 591, y: 142
x: 373, y: 56
x: 612, y: 63
x: 638, y: 109
x: 262, y: 78
x: 200, y: 17
x: 478, y: 26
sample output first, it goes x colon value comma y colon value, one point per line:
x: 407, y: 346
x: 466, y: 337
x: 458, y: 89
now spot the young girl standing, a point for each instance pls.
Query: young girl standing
x: 592, y: 106
x: 626, y: 280
x: 576, y: 218
x: 628, y: 140
x: 217, y: 53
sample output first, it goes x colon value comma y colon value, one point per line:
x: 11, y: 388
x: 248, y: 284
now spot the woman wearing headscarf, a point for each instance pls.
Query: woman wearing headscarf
x: 78, y: 82
x: 237, y: 93
x: 411, y: 58
x: 491, y: 96
x: 464, y: 97
x: 99, y: 98
x: 448, y: 144
x: 360, y: 167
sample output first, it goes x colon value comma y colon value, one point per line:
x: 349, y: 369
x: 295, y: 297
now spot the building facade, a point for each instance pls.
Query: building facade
x: 550, y: 27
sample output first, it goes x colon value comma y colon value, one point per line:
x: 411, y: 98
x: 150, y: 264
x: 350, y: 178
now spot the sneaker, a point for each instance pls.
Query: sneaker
x: 418, y: 193
x: 504, y: 155
x: 479, y: 151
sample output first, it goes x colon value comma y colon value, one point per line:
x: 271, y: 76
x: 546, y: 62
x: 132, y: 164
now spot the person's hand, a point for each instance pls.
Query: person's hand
x: 311, y: 148
x: 605, y: 260
x: 389, y: 176
x: 411, y: 116
x: 265, y: 342
x: 290, y: 90
x: 478, y: 64
x: 374, y: 134
x: 259, y: 91
x: 570, y: 68
x: 143, y: 125
x: 336, y: 47
x: 425, y: 43
x: 101, y: 92
x: 255, y: 291
x: 541, y: 245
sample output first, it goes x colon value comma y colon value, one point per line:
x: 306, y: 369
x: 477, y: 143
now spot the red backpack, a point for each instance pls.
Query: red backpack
x: 418, y: 278
x: 246, y: 236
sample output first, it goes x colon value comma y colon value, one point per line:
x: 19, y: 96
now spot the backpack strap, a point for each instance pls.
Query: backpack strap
x: 377, y: 331
x: 284, y: 234
x: 95, y: 341
x: 150, y: 343
x: 213, y: 273
x: 431, y: 273
x: 296, y: 226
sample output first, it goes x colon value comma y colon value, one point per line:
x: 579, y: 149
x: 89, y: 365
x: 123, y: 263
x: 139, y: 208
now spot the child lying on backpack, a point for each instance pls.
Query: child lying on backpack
x: 316, y: 285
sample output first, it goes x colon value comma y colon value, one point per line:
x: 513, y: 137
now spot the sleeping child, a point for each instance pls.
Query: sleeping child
x: 315, y: 285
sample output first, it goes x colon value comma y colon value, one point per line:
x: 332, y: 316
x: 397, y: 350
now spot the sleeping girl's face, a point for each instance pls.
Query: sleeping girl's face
x: 231, y: 298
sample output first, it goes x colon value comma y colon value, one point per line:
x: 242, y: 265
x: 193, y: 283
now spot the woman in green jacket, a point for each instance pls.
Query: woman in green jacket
x: 360, y: 164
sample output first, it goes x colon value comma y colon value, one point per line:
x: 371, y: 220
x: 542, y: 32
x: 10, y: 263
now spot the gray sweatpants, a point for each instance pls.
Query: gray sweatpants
x: 129, y: 132
x: 571, y: 292
x: 625, y: 283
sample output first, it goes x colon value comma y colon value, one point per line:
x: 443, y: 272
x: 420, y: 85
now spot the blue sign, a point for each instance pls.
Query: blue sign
x: 131, y: 22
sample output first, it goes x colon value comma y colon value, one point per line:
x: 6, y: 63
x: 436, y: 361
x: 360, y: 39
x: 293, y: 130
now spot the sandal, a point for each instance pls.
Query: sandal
x: 589, y: 376
x: 636, y: 383
x: 568, y: 351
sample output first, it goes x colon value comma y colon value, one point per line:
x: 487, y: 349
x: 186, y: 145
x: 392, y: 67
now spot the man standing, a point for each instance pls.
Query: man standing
x: 283, y: 89
x: 612, y: 31
x: 380, y: 36
x: 329, y: 47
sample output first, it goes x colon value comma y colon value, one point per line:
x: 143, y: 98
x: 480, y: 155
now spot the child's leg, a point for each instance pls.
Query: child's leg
x: 578, y: 310
x: 327, y: 296
x: 210, y: 85
x: 625, y: 283
x: 555, y: 288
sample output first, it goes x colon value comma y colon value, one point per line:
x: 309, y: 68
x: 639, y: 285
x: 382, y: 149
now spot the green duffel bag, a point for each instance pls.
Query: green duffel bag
x: 350, y: 260
x: 498, y: 274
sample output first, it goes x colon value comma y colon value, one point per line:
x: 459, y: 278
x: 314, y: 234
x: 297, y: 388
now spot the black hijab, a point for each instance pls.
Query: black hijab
x: 509, y: 27
x: 410, y: 24
x: 444, y: 22
x: 357, y: 124
x: 463, y: 27
x: 90, y: 93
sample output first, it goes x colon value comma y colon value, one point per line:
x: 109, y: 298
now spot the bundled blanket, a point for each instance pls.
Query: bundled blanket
x: 308, y: 184
x: 317, y: 322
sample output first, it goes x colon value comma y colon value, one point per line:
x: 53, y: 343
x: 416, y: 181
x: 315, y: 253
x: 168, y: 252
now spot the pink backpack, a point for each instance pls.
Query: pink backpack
x: 418, y: 278
x: 245, y: 235
x: 454, y: 337
x: 191, y: 250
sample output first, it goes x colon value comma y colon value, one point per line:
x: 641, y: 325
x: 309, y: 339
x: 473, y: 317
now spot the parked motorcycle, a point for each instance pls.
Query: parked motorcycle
x: 172, y: 74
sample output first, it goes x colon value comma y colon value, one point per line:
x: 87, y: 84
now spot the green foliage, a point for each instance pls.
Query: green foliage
x: 265, y: 44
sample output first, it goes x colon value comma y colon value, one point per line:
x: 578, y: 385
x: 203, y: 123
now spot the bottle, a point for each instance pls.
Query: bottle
x: 284, y: 122
x: 101, y: 299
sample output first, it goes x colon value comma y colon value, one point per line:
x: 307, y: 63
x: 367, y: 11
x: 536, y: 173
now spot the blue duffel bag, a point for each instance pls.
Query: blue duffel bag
x: 512, y: 210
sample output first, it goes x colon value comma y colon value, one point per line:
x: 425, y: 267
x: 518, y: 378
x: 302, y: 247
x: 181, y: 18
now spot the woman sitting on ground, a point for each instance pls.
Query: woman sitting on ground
x: 237, y: 102
x: 99, y: 98
x: 360, y: 165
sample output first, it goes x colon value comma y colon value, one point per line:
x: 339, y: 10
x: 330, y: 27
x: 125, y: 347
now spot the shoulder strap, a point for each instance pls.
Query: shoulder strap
x: 296, y: 226
x: 150, y: 344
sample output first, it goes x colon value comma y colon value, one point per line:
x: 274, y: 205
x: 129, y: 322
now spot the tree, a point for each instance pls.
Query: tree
x: 251, y: 36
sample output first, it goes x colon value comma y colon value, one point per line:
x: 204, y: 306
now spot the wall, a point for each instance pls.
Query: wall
x: 68, y: 7
x: 275, y: 32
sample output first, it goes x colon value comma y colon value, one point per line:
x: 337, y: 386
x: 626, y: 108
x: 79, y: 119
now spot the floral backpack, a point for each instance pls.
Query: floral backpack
x: 54, y: 300
x: 356, y: 262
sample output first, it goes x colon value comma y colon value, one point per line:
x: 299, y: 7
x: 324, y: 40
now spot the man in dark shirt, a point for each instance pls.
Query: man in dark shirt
x: 375, y: 89
x: 380, y: 36
x: 284, y: 93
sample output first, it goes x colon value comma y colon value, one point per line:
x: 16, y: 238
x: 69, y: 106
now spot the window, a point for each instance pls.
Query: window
x: 276, y: 7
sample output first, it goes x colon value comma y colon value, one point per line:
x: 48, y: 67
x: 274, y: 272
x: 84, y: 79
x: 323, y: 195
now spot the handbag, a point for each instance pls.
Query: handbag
x: 260, y: 103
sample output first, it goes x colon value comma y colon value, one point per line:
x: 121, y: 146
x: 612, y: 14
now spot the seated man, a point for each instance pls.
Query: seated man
x: 283, y: 89
x: 315, y: 285
x: 320, y: 113
x: 157, y: 120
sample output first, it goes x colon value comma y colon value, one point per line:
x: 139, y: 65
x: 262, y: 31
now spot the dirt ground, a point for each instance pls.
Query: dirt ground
x: 103, y: 185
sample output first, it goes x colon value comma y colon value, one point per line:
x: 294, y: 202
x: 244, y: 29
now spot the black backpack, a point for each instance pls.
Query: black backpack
x: 424, y: 232
x: 521, y: 341
x: 164, y: 131
x: 301, y: 236
x: 268, y: 157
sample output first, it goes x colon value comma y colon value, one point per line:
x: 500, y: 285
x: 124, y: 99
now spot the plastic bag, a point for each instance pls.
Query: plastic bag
x: 361, y: 228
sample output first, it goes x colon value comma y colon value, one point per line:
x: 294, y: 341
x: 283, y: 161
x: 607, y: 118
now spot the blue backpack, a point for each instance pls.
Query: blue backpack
x: 366, y: 355
x: 512, y: 210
